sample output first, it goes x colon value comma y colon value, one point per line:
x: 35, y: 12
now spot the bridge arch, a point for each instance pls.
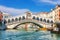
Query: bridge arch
x: 34, y: 17
x: 51, y: 21
x: 16, y: 19
x: 12, y: 20
x: 9, y: 20
x: 23, y: 17
x: 5, y: 21
x: 37, y: 18
x: 38, y: 24
x: 19, y: 18
x: 41, y: 19
x: 44, y: 20
x: 48, y: 21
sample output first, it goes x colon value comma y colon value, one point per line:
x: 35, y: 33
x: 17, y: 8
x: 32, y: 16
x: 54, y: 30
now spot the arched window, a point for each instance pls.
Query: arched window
x: 47, y: 21
x: 19, y: 18
x: 9, y: 21
x: 12, y: 20
x: 33, y: 17
x: 23, y: 17
x: 40, y: 19
x: 16, y: 19
x: 44, y: 20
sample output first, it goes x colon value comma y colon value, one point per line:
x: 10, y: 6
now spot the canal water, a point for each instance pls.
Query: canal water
x: 28, y: 35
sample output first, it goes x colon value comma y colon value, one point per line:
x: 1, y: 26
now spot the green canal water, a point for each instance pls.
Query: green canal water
x: 28, y: 35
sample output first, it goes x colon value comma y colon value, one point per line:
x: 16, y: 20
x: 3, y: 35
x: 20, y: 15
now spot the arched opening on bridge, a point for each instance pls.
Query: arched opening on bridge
x: 51, y: 21
x: 33, y: 17
x: 9, y: 21
x: 23, y: 17
x: 47, y: 21
x: 37, y: 18
x: 16, y: 19
x: 40, y: 19
x: 5, y: 21
x: 19, y: 18
x: 44, y: 20
x: 12, y: 20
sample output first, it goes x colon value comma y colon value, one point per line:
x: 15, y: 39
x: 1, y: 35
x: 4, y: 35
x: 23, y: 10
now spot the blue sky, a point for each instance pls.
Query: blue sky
x: 16, y: 7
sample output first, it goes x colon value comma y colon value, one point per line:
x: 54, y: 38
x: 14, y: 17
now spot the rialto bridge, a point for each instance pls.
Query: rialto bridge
x: 42, y: 19
x: 14, y: 22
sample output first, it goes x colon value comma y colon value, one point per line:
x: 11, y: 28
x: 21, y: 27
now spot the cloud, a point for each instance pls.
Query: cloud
x: 13, y: 11
x: 49, y: 1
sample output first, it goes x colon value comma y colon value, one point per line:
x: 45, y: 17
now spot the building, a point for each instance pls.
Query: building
x: 53, y: 14
x: 6, y: 15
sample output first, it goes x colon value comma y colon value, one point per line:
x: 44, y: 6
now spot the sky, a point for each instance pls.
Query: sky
x: 19, y: 7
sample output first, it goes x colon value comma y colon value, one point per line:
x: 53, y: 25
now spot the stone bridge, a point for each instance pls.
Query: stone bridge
x: 39, y: 21
x: 36, y: 22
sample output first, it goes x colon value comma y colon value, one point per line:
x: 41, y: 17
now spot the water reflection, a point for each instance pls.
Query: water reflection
x: 28, y: 35
x: 55, y: 36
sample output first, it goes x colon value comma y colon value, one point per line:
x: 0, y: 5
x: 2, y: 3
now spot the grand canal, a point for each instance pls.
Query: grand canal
x: 28, y: 35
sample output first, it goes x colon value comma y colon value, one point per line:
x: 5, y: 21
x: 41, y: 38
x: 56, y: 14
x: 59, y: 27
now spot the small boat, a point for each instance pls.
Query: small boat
x: 2, y: 26
x: 55, y: 30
